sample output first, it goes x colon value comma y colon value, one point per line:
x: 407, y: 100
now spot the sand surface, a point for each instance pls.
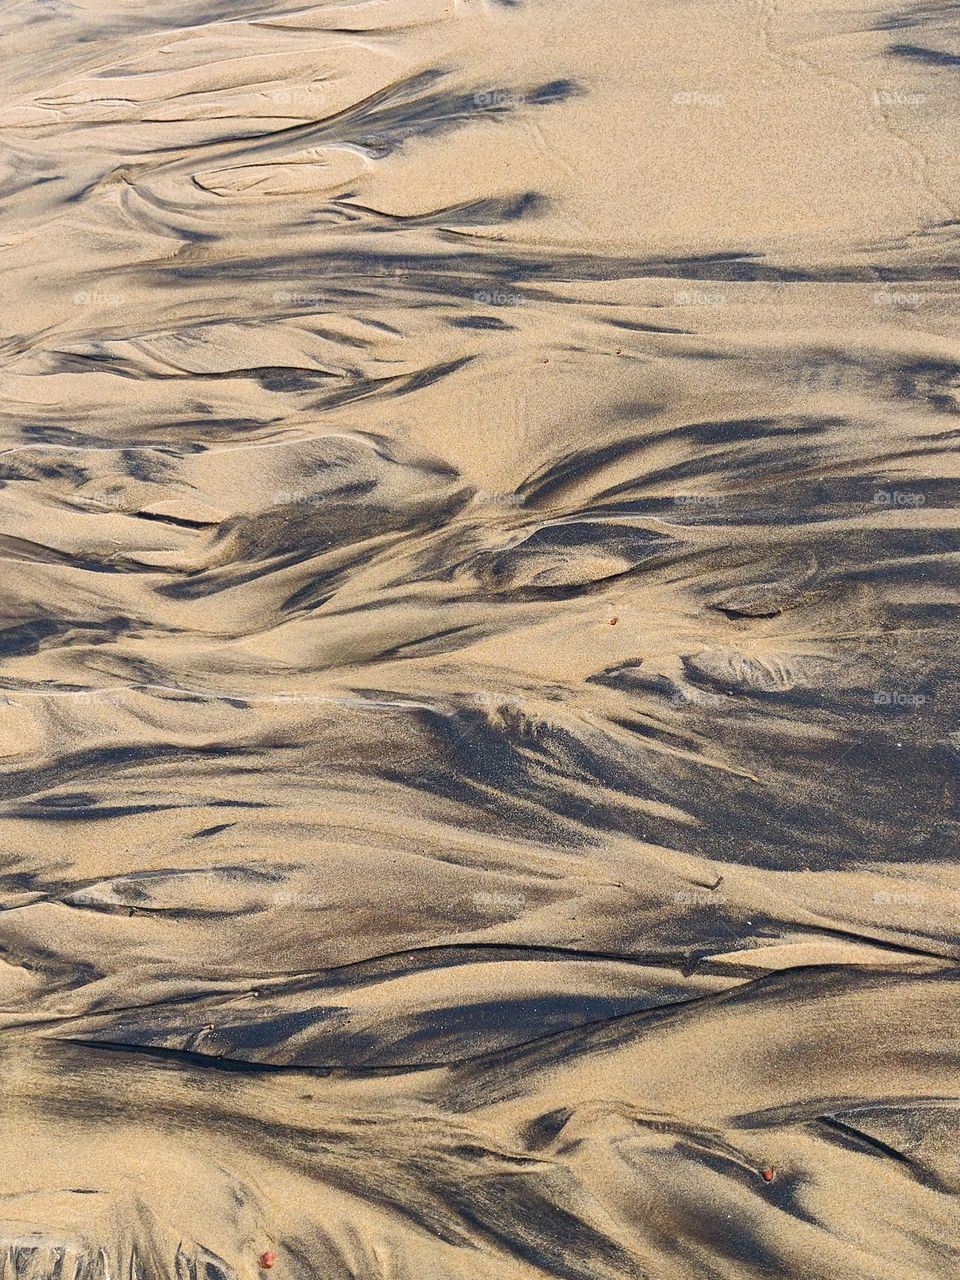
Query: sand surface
x: 479, y: 719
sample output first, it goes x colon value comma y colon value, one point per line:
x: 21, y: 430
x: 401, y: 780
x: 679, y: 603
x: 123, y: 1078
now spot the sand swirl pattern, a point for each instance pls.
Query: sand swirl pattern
x: 479, y: 716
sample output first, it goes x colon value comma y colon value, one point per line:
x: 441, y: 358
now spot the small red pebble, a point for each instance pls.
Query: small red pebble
x: 267, y: 1260
x: 766, y: 1175
x: 614, y: 621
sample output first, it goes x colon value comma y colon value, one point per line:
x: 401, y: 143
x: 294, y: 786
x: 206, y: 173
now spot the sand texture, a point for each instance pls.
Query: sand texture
x: 479, y: 716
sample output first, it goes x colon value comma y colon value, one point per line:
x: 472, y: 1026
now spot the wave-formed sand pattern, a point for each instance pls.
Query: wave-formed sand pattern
x: 479, y: 727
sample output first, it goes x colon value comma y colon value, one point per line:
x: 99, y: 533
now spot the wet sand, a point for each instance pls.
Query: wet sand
x: 479, y: 719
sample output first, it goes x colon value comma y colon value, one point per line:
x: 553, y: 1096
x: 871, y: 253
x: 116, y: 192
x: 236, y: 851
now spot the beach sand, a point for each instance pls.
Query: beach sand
x: 479, y: 718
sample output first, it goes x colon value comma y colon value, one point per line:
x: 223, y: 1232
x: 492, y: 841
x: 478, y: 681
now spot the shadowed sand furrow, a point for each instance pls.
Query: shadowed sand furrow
x: 479, y: 716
